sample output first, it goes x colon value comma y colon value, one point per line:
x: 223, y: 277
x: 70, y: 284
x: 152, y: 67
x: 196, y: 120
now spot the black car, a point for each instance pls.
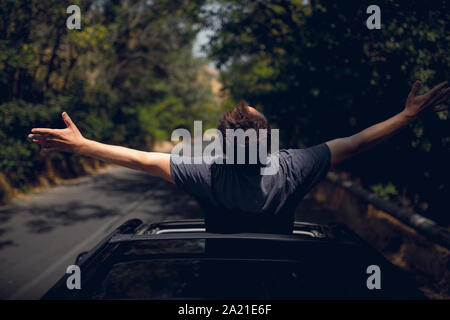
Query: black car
x: 180, y: 260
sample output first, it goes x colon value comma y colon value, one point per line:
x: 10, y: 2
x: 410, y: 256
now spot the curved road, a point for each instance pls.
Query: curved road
x: 42, y: 234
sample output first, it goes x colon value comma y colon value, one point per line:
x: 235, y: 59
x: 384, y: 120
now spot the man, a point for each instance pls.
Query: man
x: 237, y: 198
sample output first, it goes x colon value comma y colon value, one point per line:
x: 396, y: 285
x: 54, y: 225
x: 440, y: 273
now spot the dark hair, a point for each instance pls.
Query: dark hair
x: 241, y: 117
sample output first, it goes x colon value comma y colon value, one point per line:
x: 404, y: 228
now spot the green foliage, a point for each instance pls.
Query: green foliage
x: 386, y: 191
x: 17, y: 154
x: 318, y: 73
x: 127, y: 77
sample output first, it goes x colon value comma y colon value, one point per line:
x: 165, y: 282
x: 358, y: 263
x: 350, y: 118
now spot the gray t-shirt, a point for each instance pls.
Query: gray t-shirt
x: 239, y: 199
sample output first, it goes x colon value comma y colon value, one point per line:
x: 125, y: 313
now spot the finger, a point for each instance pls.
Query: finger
x: 67, y: 120
x: 43, y: 130
x: 443, y: 97
x: 416, y: 87
x: 46, y: 142
x: 39, y: 136
x: 47, y: 138
x: 436, y: 89
x: 432, y: 101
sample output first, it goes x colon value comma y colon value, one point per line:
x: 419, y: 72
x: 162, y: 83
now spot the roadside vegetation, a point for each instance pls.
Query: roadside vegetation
x: 127, y: 77
x: 319, y: 73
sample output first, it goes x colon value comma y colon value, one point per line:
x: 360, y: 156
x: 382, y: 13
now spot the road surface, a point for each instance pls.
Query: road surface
x: 43, y: 234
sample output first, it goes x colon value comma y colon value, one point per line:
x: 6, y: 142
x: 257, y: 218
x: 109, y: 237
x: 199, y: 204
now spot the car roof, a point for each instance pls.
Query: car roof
x: 195, y: 229
x: 167, y: 243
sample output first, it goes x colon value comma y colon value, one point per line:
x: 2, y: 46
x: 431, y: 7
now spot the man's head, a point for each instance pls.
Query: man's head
x: 244, y: 117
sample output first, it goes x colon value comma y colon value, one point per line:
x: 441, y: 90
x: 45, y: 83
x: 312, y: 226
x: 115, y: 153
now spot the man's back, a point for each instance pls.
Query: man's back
x: 238, y: 198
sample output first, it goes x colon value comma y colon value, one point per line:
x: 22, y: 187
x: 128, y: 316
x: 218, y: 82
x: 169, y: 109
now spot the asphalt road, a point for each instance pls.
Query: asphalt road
x: 43, y: 234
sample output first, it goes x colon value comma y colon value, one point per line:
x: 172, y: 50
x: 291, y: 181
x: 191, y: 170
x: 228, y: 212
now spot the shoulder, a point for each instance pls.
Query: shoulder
x: 315, y: 153
x: 189, y: 165
x: 306, y: 161
x: 190, y: 171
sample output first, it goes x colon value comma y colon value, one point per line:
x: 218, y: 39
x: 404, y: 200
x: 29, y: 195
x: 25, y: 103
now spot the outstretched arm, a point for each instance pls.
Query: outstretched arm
x: 71, y: 140
x: 344, y: 148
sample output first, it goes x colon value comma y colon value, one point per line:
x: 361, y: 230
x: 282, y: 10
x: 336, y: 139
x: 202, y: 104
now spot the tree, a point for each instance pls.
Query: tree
x: 318, y: 73
x: 128, y: 76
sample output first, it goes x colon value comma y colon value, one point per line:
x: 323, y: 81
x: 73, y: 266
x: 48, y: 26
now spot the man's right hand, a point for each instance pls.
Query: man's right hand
x: 68, y: 140
x: 71, y: 140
